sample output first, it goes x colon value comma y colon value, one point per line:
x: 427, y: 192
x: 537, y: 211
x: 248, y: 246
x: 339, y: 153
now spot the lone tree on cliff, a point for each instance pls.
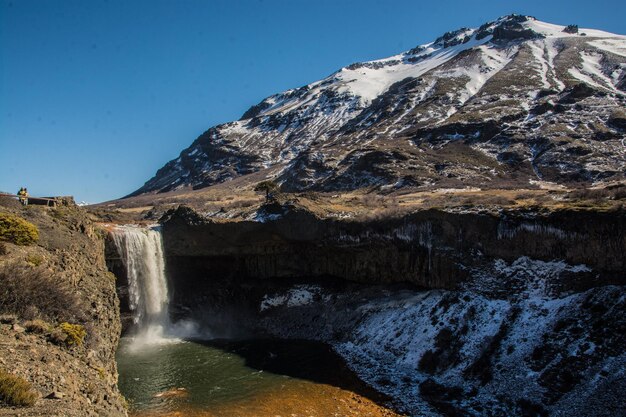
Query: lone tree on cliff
x: 270, y: 187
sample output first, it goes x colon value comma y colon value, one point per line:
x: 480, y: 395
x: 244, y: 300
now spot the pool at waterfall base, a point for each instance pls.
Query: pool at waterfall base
x: 163, y: 371
x: 227, y: 378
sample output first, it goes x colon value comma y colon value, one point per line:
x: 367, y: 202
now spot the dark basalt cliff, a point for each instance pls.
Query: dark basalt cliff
x: 432, y: 249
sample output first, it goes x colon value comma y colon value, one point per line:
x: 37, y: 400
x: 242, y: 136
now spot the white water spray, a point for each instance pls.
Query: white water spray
x: 141, y: 250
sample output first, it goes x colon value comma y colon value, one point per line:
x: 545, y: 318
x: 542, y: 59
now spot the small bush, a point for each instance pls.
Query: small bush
x: 34, y: 293
x: 75, y: 333
x: 615, y: 192
x: 8, y: 318
x: 125, y: 402
x: 37, y: 326
x: 16, y: 391
x: 17, y: 230
x: 58, y: 337
x: 34, y: 260
x: 101, y: 372
x: 3, y: 249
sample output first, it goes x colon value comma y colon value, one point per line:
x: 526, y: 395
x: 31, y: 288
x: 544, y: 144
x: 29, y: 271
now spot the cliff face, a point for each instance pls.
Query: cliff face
x: 470, y: 314
x: 77, y: 379
x: 432, y: 249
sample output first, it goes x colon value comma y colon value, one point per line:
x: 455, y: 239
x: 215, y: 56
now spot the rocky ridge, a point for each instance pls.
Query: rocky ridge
x: 78, y: 380
x: 507, y: 104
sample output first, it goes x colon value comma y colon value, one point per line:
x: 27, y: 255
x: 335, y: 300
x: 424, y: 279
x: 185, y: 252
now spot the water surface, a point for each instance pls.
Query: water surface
x: 242, y: 378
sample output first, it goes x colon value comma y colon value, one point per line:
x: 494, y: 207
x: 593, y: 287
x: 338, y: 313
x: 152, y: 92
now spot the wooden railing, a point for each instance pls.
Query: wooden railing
x: 39, y: 201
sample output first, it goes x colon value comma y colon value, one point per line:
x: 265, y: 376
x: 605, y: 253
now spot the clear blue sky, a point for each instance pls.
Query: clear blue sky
x: 96, y: 95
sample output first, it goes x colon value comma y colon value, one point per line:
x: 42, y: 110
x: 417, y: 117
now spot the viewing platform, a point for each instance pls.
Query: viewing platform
x: 45, y: 201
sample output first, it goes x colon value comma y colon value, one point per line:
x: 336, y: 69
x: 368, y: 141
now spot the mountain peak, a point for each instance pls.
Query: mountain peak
x: 509, y: 27
x: 513, y: 101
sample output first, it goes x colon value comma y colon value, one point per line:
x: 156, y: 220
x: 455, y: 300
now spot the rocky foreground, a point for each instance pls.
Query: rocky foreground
x: 59, y: 282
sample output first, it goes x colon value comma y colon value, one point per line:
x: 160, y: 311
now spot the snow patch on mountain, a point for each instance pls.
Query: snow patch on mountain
x: 591, y: 72
x: 370, y: 82
x: 556, y: 31
x: 614, y: 46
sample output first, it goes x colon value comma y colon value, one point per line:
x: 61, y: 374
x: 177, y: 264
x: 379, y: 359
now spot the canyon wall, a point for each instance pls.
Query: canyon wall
x: 431, y: 249
x: 449, y: 313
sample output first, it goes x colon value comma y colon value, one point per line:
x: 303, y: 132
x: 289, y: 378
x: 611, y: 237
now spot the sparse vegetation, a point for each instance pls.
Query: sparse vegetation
x: 16, y: 230
x: 31, y: 292
x: 125, y: 402
x: 101, y: 372
x: 8, y: 318
x: 271, y: 188
x: 617, y: 192
x: 34, y: 259
x: 58, y: 337
x: 37, y: 326
x: 75, y: 333
x: 16, y: 391
x: 60, y: 213
x: 3, y: 249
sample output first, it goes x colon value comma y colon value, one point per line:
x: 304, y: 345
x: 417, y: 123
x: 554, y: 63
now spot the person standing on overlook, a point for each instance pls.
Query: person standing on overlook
x: 23, y: 195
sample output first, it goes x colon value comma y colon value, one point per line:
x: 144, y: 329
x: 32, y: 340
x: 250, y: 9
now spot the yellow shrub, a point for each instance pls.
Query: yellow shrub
x: 75, y: 333
x: 17, y: 230
x: 16, y: 391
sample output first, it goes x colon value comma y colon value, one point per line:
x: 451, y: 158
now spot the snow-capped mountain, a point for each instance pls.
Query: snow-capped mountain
x: 513, y: 101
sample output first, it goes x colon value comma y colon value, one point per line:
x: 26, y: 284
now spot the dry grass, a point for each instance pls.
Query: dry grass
x: 8, y: 318
x: 237, y: 198
x: 37, y: 326
x: 16, y: 391
x: 31, y: 292
x: 362, y: 205
x: 34, y: 259
x: 617, y: 192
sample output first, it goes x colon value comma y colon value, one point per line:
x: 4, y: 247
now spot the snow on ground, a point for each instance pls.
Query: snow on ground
x: 370, y: 82
x: 493, y: 60
x: 551, y: 30
x: 398, y: 339
x: 263, y: 217
x: 297, y: 296
x: 614, y: 46
x: 388, y: 345
x: 538, y: 49
x: 546, y: 185
x: 591, y: 72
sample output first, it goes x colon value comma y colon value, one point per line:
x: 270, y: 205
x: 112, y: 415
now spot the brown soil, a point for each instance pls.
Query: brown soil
x: 303, y: 399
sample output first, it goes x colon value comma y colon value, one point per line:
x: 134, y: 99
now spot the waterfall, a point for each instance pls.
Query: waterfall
x: 141, y: 250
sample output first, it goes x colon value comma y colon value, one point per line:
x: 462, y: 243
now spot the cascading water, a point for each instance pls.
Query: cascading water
x: 141, y: 250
